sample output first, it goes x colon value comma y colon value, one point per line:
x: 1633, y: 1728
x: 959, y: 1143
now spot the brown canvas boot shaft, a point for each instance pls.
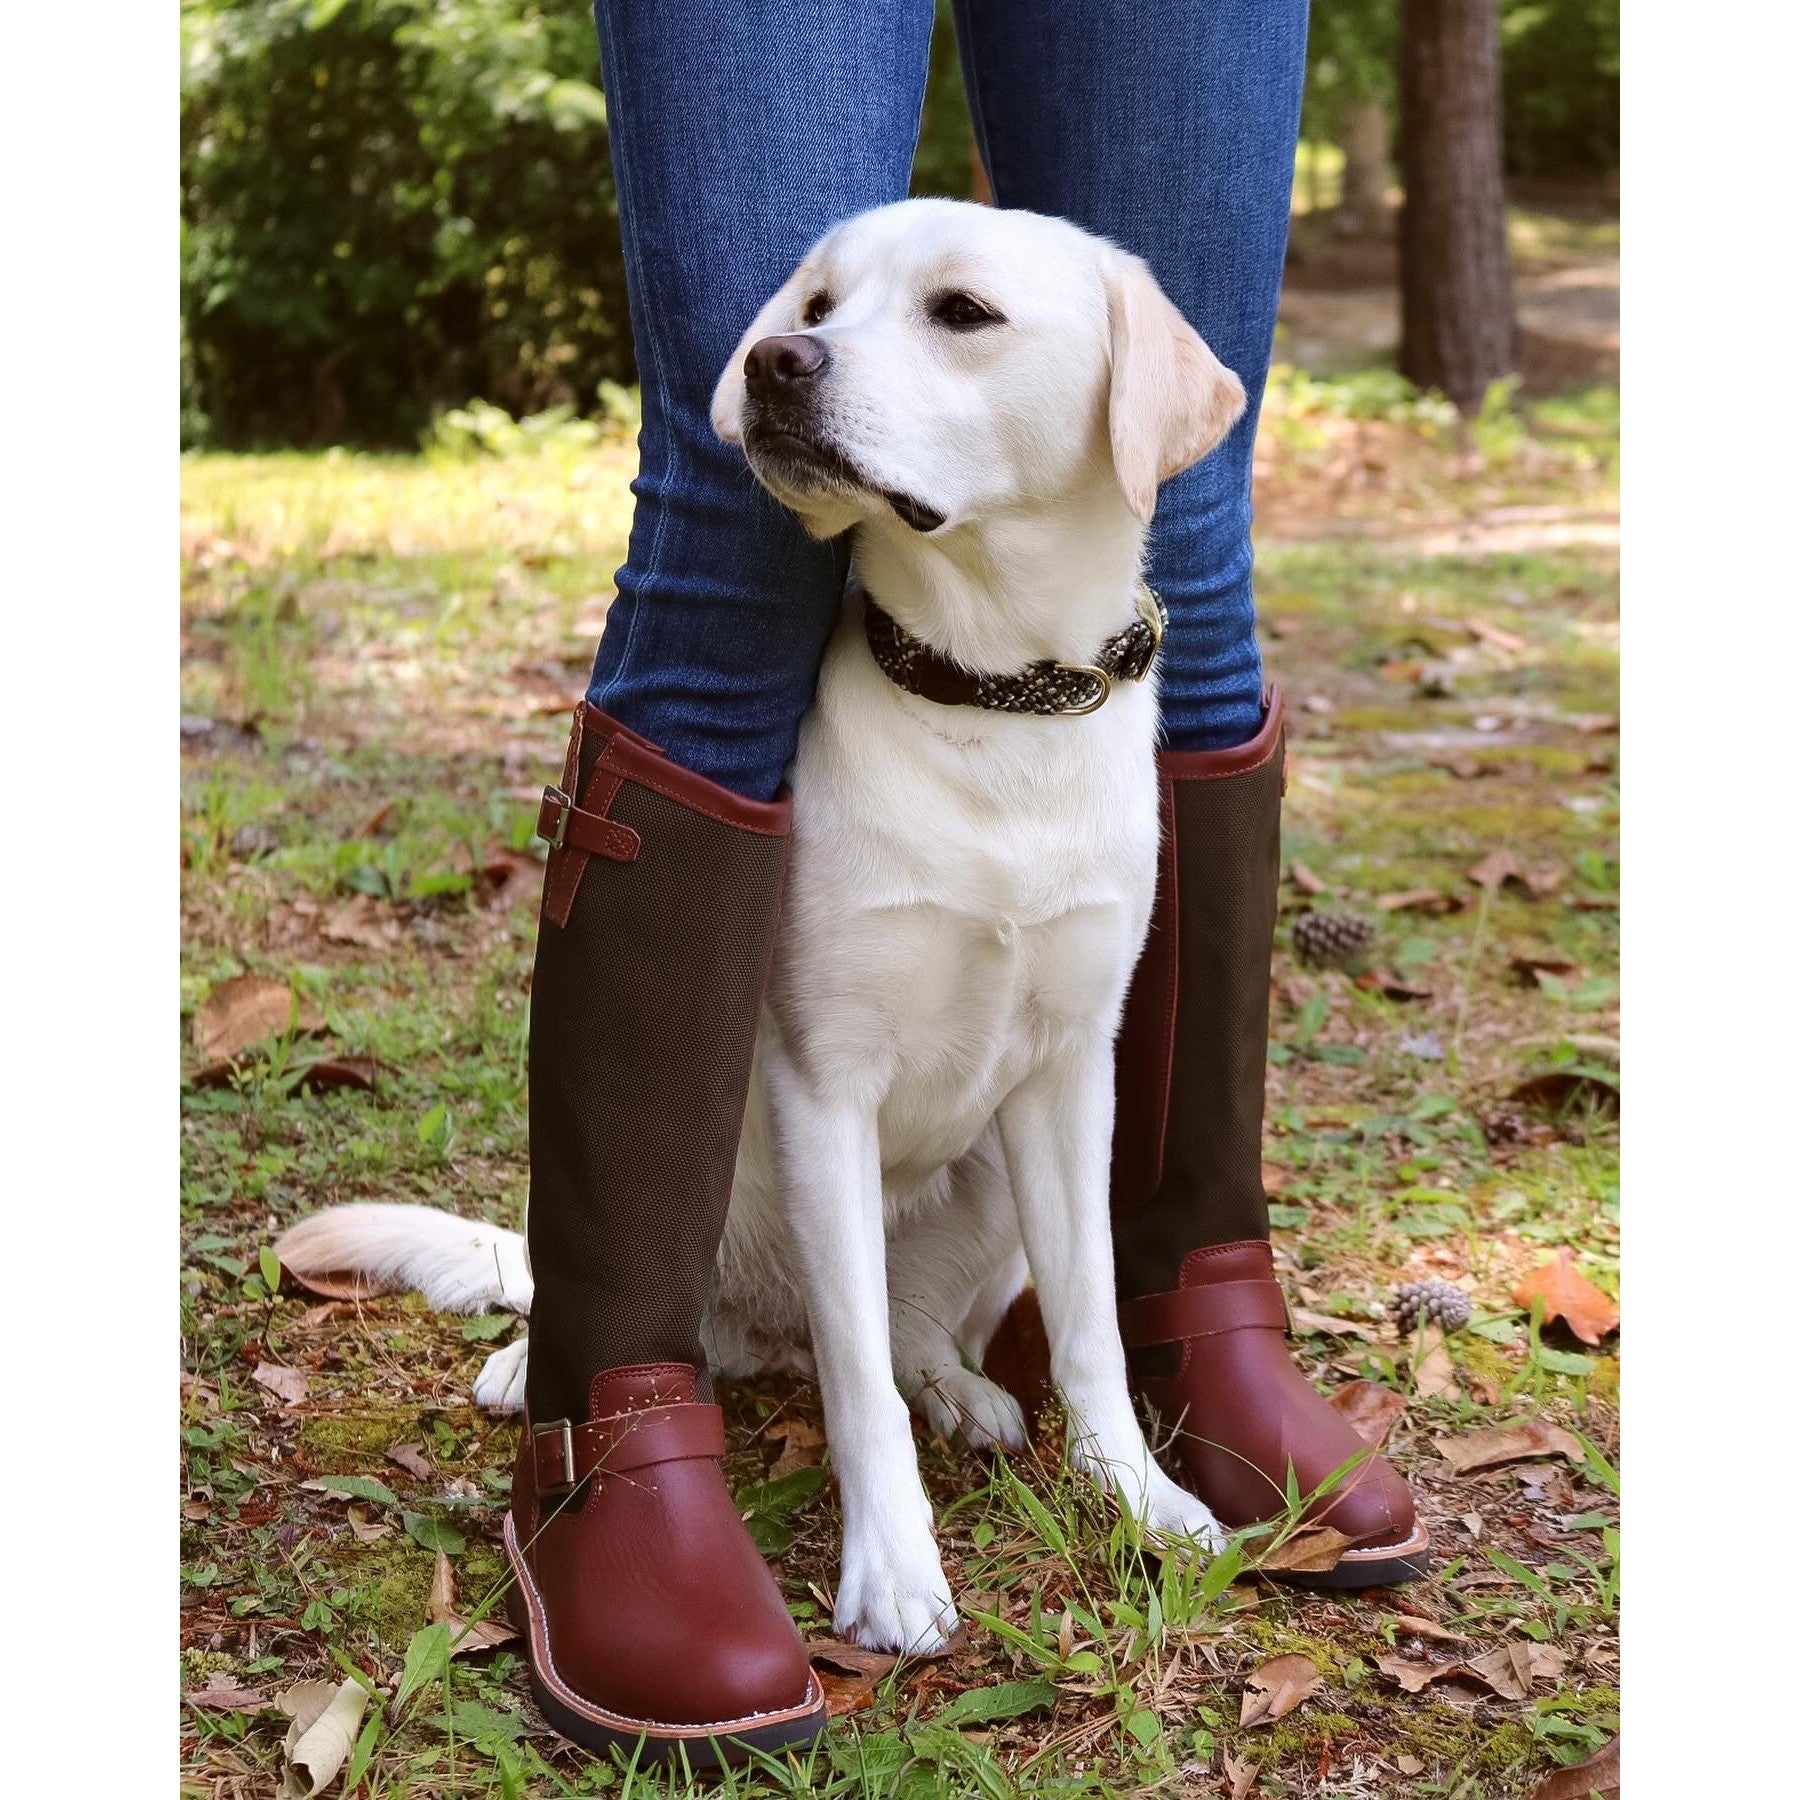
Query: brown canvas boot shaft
x: 659, y: 920
x: 648, y: 1613
x: 1194, y: 1045
x: 1202, y: 1316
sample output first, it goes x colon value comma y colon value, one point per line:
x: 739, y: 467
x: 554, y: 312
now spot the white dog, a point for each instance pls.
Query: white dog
x: 988, y: 400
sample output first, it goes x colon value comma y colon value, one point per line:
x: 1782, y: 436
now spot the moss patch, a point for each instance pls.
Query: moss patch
x: 354, y: 1443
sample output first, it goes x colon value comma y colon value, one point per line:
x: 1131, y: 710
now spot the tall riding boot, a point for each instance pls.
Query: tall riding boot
x: 1200, y: 1310
x: 648, y: 1614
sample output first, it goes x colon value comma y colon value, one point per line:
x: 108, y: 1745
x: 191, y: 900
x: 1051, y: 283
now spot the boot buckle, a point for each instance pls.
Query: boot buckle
x: 564, y: 1476
x: 553, y: 821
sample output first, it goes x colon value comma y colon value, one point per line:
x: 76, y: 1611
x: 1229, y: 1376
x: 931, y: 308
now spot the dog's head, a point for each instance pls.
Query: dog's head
x: 935, y: 363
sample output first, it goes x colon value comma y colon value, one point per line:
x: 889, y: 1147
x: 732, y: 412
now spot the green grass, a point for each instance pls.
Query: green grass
x: 376, y: 651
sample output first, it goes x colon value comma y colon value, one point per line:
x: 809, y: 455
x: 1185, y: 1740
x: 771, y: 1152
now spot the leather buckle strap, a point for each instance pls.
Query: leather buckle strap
x: 560, y: 821
x: 564, y: 1455
x: 1202, y: 1312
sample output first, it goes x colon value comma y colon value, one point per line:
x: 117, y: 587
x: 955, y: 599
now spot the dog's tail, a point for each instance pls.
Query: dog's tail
x: 459, y: 1265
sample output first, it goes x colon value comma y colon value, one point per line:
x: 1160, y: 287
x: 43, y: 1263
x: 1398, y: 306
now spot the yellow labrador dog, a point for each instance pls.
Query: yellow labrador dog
x: 987, y: 400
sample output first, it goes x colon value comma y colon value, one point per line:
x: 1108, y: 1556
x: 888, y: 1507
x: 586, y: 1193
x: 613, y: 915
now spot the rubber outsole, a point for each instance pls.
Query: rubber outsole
x: 1367, y: 1571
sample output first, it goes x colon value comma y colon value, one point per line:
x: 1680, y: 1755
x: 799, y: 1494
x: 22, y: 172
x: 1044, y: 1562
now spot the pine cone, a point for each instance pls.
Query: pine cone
x: 1331, y: 938
x: 1415, y: 1302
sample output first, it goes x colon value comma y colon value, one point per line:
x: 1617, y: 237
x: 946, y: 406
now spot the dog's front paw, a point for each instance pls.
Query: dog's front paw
x: 956, y: 1403
x: 500, y: 1386
x: 1176, y: 1519
x: 892, y: 1594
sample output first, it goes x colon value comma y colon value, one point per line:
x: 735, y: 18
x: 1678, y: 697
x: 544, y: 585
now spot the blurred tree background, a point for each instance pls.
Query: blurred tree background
x: 390, y: 207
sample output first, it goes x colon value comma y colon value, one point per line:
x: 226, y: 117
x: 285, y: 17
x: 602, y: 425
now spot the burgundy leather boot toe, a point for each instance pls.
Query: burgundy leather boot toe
x: 1242, y: 1414
x: 650, y: 1616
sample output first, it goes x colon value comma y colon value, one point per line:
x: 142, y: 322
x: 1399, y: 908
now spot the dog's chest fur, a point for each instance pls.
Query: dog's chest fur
x: 969, y: 893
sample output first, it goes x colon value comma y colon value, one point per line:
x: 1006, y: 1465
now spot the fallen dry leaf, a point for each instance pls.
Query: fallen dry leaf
x: 288, y: 1385
x: 1557, y: 1088
x: 466, y: 1635
x: 1489, y: 1448
x: 325, y: 1721
x: 1568, y: 1295
x: 1412, y: 1675
x: 847, y: 1672
x: 1304, y: 879
x: 1371, y: 1408
x: 850, y: 1659
x: 1241, y: 1774
x: 361, y: 921
x: 440, y: 1597
x: 1275, y: 1178
x: 227, y: 1697
x: 367, y: 1528
x: 1277, y: 1688
x: 1434, y: 1372
x: 1393, y: 985
x: 1410, y: 1625
x: 240, y: 1013
x: 1304, y: 1319
x: 1528, y: 965
x: 511, y: 877
x: 1431, y: 900
x: 844, y: 1694
x: 1598, y: 1775
x: 411, y: 1458
x: 803, y: 1447
x: 1311, y: 1551
x: 333, y: 1284
x: 359, y: 1072
x: 1494, y: 868
x: 1507, y: 1672
x: 1496, y: 635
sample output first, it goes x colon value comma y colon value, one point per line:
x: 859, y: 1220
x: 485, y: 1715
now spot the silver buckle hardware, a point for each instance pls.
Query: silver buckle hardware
x: 554, y: 809
x: 563, y: 1430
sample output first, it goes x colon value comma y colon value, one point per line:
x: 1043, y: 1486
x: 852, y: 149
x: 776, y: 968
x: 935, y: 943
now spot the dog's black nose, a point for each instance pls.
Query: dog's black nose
x: 778, y: 363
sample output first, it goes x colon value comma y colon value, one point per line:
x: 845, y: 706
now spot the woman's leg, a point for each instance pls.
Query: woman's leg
x: 1168, y: 126
x: 740, y: 133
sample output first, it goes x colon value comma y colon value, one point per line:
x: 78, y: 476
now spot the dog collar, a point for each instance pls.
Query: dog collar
x: 1052, y: 689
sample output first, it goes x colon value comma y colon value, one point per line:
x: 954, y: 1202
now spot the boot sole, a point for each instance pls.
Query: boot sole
x: 654, y: 1742
x: 1382, y: 1565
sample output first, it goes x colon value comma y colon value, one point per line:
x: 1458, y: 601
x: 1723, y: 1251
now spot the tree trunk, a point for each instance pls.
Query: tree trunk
x: 1366, y: 153
x: 1456, y: 314
x: 980, y: 188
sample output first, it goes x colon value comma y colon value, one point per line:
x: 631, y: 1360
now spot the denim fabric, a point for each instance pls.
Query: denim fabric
x: 741, y: 130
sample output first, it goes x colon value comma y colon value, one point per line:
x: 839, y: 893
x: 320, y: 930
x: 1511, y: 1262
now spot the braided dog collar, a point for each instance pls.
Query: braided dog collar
x: 1052, y: 689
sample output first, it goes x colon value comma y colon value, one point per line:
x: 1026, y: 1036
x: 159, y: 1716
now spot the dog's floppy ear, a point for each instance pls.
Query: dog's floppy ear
x: 782, y: 313
x: 1172, y: 400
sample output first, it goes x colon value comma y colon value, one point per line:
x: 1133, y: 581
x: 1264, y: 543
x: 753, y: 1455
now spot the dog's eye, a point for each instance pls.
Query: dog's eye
x: 963, y: 312
x: 816, y: 310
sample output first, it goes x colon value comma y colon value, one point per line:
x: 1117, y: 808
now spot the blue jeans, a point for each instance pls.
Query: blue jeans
x: 742, y: 130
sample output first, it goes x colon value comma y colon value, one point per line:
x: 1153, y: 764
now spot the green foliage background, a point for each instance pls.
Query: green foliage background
x: 392, y: 206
